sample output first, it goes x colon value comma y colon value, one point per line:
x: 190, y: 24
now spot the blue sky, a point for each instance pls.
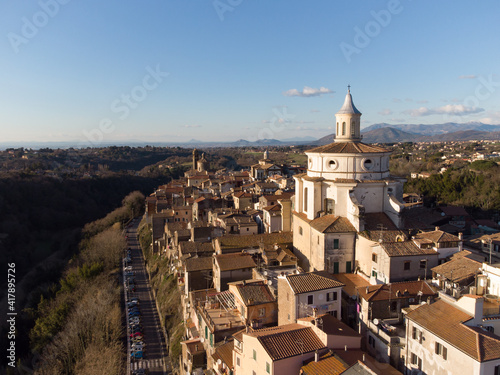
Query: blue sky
x: 173, y: 70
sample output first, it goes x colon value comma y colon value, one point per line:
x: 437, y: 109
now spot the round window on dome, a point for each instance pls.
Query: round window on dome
x: 332, y: 164
x: 368, y: 164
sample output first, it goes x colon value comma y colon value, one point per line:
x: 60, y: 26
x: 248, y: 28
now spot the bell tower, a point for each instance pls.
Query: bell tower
x: 348, y: 121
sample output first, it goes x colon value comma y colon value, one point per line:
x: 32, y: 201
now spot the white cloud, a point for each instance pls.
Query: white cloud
x: 308, y: 92
x: 397, y: 119
x: 315, y: 110
x: 493, y: 118
x: 456, y: 110
x: 468, y: 76
x: 385, y: 112
x: 396, y: 100
x: 422, y: 101
x: 192, y: 126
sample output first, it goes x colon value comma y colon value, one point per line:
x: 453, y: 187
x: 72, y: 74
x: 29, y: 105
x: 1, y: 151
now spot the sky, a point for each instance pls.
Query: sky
x: 97, y: 72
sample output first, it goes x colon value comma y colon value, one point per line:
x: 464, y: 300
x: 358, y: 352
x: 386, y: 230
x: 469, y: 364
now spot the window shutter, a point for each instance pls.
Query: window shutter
x: 445, y: 353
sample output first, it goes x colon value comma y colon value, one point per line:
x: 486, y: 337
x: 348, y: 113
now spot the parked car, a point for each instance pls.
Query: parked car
x: 137, y: 354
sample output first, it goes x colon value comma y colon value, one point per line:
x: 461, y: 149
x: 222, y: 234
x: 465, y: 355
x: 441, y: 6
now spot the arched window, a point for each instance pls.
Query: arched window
x: 353, y: 129
x: 305, y: 199
x: 343, y: 128
x: 338, y: 129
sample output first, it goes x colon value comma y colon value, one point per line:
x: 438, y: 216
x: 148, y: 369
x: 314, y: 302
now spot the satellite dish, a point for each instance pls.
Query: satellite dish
x: 219, y: 361
x: 375, y: 321
x: 269, y: 282
x: 202, y: 340
x: 265, y: 273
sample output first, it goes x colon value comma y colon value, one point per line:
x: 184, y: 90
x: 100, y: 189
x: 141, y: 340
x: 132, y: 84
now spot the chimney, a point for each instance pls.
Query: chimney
x: 345, y: 348
x: 196, y: 348
x: 437, y: 228
x: 460, y: 236
x: 364, y: 357
x: 316, y: 356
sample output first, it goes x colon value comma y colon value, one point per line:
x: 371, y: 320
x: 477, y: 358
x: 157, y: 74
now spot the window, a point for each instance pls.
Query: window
x: 374, y: 257
x: 268, y: 368
x: 335, y: 267
x: 353, y: 132
x: 305, y: 199
x: 331, y: 296
x: 406, y: 266
x: 300, y: 231
x: 248, y: 229
x: 417, y: 334
x: 423, y: 264
x: 394, y: 306
x: 497, y: 370
x: 329, y: 205
x: 288, y: 316
x: 336, y: 243
x: 254, y: 356
x: 287, y: 296
x: 441, y: 350
x: 371, y: 341
x: 310, y: 300
x: 343, y: 128
x: 262, y: 312
x: 415, y: 360
x: 237, y: 361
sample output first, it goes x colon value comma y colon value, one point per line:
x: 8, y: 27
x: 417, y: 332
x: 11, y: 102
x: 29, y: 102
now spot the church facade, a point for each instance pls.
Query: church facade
x: 345, y: 181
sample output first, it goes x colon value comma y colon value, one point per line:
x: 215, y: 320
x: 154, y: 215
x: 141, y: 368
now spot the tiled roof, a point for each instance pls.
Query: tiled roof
x: 458, y: 269
x: 281, y: 342
x: 446, y: 322
x: 189, y: 247
x: 406, y: 289
x: 437, y: 236
x: 373, y: 220
x: 198, y: 264
x: 236, y: 261
x: 351, y: 281
x: 238, y: 241
x: 406, y: 248
x: 275, y: 207
x: 194, y: 346
x: 332, y: 224
x: 312, y: 281
x: 348, y: 148
x: 328, y: 364
x: 332, y: 326
x: 224, y: 352
x: 353, y: 356
x: 453, y: 211
x: 255, y: 293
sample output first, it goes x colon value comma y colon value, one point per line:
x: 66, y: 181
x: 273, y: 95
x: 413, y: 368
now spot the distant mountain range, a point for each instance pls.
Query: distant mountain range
x: 376, y: 133
x: 388, y: 133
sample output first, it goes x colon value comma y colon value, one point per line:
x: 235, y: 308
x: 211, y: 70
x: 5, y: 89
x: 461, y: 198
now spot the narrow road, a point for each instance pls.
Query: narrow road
x: 155, y: 353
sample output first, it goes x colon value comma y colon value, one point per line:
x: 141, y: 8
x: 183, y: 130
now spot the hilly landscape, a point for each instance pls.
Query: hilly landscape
x: 388, y: 133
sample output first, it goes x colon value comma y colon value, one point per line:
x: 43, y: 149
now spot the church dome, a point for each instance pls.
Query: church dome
x: 348, y: 108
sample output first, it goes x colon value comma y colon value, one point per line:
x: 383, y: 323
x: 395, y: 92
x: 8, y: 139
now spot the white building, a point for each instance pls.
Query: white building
x: 346, y: 179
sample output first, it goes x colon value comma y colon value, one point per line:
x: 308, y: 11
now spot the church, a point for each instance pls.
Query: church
x: 347, y: 189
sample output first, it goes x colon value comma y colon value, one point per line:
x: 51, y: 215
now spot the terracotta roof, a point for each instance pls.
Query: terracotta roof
x: 332, y: 326
x: 236, y: 261
x: 253, y: 240
x: 348, y: 148
x: 275, y: 207
x: 406, y: 248
x: 374, y: 219
x: 189, y: 247
x: 198, y: 264
x: 255, y: 293
x: 351, y: 281
x: 312, y: 281
x: 194, y: 346
x: 458, y: 269
x: 242, y: 194
x: 224, y: 352
x: 437, y: 236
x: 281, y: 342
x: 328, y: 364
x: 353, y: 356
x: 453, y: 210
x: 332, y: 224
x: 406, y: 289
x: 446, y: 322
